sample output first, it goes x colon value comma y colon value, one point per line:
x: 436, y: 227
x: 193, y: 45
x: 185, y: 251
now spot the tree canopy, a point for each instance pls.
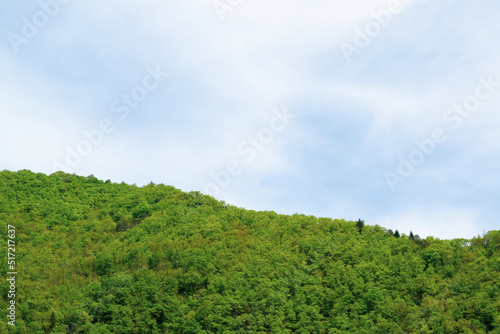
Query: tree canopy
x: 102, y: 257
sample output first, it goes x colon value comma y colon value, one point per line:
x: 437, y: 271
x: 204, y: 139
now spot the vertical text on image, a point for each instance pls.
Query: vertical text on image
x: 11, y: 274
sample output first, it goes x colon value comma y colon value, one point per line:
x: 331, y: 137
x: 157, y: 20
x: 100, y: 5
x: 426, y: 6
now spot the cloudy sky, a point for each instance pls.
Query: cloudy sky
x: 386, y: 111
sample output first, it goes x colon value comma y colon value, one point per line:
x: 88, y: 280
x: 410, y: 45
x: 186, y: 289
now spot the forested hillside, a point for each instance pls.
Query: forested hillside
x: 100, y: 257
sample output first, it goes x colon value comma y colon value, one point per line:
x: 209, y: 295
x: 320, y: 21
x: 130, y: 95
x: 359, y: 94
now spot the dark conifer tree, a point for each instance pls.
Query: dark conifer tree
x: 360, y: 224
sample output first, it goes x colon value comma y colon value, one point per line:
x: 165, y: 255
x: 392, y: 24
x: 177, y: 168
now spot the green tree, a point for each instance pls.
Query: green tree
x: 360, y: 224
x: 101, y: 257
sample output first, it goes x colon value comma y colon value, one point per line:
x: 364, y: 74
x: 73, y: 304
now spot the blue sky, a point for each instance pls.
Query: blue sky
x: 260, y: 105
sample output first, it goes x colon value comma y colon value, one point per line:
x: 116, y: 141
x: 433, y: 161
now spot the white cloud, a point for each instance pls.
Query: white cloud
x: 227, y: 76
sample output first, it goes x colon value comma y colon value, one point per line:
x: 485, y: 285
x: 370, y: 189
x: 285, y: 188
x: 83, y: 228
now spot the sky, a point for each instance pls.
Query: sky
x: 386, y: 111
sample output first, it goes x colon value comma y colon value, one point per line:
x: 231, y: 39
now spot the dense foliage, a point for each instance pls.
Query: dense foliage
x: 100, y: 257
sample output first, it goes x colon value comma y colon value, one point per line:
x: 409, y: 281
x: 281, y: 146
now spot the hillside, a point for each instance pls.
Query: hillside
x: 100, y: 257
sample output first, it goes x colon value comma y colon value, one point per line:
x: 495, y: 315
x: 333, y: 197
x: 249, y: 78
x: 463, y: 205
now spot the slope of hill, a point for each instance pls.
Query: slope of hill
x: 100, y: 257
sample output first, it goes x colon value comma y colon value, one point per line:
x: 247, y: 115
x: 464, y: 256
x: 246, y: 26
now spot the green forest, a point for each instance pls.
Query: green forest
x: 99, y: 257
